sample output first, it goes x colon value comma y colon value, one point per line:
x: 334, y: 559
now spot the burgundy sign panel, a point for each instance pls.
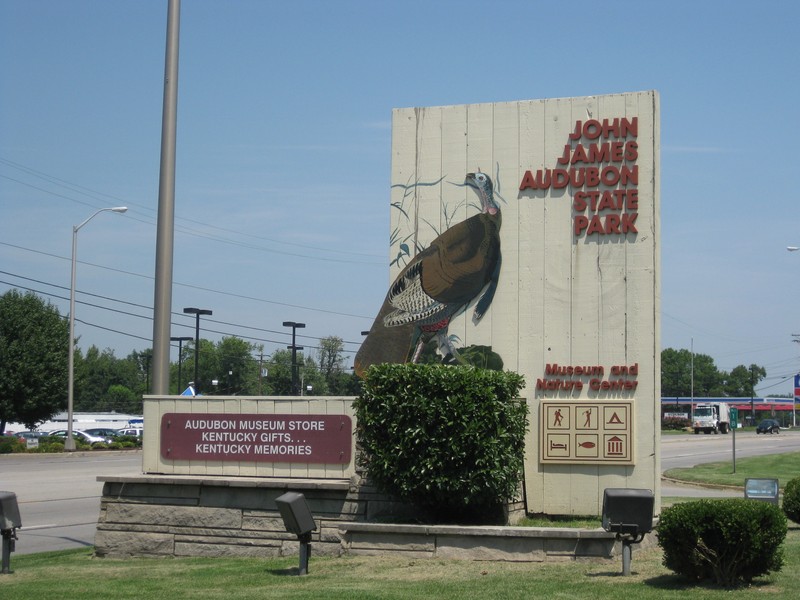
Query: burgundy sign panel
x: 310, y: 439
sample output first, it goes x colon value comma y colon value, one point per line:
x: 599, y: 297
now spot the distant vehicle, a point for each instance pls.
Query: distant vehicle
x: 77, y: 434
x: 133, y: 431
x: 29, y: 435
x: 768, y: 426
x: 102, y: 432
x: 714, y: 416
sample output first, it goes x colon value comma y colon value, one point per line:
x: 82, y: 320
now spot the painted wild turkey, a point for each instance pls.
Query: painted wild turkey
x: 458, y: 267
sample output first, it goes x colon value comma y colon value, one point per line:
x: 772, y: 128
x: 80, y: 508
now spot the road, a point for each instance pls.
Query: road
x: 690, y: 450
x: 59, y: 495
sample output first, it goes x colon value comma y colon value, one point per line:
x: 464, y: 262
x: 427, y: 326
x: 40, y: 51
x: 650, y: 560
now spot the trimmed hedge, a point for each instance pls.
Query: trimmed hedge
x: 729, y: 541
x: 675, y: 423
x: 11, y: 445
x: 791, y: 499
x: 449, y: 439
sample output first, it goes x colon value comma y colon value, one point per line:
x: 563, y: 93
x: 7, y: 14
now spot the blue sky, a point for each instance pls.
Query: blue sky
x: 284, y: 153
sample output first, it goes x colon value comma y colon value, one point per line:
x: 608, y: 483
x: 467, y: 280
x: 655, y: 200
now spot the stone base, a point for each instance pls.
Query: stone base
x: 155, y: 515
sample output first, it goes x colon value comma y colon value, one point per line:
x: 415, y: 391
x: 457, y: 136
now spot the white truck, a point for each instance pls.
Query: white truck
x: 713, y: 416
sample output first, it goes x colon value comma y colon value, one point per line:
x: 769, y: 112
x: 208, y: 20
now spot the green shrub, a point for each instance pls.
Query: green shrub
x: 674, y: 423
x: 129, y: 441
x: 50, y: 444
x: 10, y: 444
x: 729, y: 541
x: 791, y: 499
x: 449, y: 439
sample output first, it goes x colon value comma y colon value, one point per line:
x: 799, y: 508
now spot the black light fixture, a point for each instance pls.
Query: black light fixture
x: 294, y: 348
x: 9, y: 522
x: 196, y: 312
x: 297, y: 519
x: 628, y: 513
x: 180, y: 341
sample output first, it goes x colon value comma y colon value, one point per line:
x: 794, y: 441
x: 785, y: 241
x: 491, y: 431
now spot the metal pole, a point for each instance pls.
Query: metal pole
x: 197, y: 312
x: 8, y: 547
x: 626, y: 557
x: 305, y: 553
x: 752, y: 400
x: 162, y: 304
x: 294, y: 347
x: 180, y: 341
x: 196, y: 350
x: 69, y: 442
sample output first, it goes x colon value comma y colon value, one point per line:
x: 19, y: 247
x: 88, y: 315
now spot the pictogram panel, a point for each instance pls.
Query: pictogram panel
x: 586, y: 432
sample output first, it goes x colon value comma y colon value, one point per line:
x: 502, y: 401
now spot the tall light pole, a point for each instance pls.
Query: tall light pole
x: 796, y: 380
x: 196, y: 312
x: 180, y: 341
x: 294, y: 348
x: 165, y: 225
x: 69, y: 443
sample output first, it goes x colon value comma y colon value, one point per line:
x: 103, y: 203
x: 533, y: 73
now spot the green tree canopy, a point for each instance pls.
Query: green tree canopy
x: 741, y: 381
x: 34, y: 346
x: 683, y: 375
x: 238, y: 371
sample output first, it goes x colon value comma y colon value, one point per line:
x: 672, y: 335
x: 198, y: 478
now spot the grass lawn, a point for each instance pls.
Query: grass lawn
x: 783, y: 466
x: 76, y: 574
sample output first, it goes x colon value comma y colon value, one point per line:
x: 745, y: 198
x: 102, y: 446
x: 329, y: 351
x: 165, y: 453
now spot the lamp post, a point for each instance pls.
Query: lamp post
x: 180, y: 341
x: 796, y: 380
x: 69, y: 443
x: 294, y: 348
x: 196, y: 312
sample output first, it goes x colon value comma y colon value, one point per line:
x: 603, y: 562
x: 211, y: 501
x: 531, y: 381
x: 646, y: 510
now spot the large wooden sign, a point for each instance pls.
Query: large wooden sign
x: 573, y: 301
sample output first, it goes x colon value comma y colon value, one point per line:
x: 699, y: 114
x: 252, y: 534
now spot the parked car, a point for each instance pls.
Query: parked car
x: 77, y: 434
x: 132, y: 431
x: 29, y: 435
x: 768, y: 426
x: 102, y: 432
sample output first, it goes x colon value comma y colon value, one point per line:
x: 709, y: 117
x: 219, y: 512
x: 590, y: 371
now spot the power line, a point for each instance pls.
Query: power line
x: 96, y: 195
x: 149, y: 318
x: 192, y: 286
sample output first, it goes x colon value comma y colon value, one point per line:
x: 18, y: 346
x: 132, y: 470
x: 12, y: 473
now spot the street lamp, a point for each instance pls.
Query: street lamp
x: 69, y: 443
x: 180, y: 341
x: 294, y: 348
x: 196, y: 312
x: 794, y: 396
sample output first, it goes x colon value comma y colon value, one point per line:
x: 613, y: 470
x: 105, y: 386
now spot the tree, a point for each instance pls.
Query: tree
x: 279, y: 378
x: 94, y: 375
x: 677, y: 367
x: 676, y: 376
x: 331, y: 363
x: 238, y: 372
x: 34, y: 346
x: 741, y: 381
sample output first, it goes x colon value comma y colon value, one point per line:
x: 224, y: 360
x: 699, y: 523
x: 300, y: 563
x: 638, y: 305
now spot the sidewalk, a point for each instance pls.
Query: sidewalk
x: 670, y: 487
